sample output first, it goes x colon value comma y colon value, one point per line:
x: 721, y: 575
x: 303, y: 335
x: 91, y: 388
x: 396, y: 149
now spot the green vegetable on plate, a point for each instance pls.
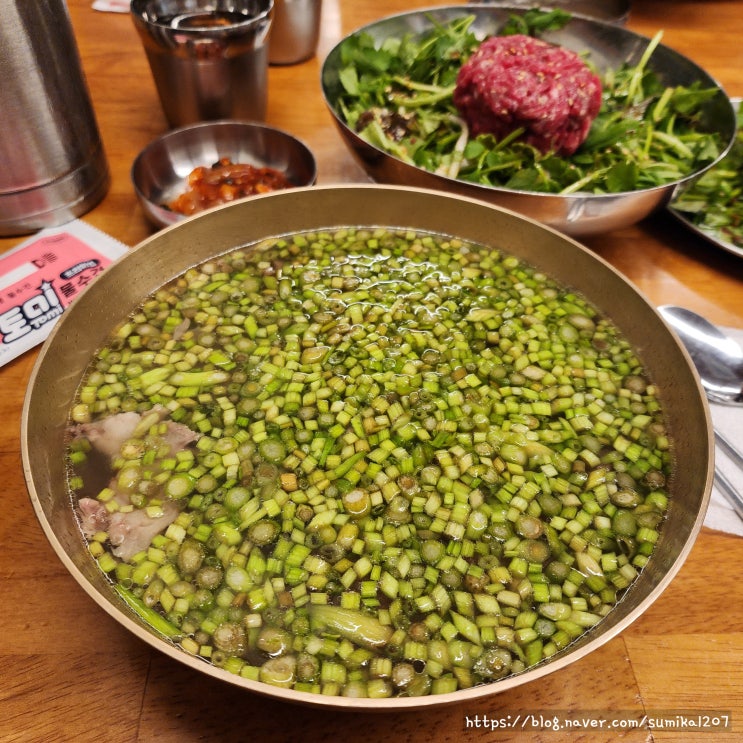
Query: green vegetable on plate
x: 398, y: 96
x: 712, y: 203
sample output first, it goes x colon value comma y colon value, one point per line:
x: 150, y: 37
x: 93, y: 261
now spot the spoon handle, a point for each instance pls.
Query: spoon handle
x: 729, y: 449
x: 728, y: 490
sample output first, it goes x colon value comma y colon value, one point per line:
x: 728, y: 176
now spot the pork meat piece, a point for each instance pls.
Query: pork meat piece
x: 94, y: 516
x: 133, y: 531
x: 109, y: 434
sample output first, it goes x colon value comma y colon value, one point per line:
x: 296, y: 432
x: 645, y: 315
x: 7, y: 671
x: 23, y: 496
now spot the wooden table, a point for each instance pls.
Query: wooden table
x: 71, y: 673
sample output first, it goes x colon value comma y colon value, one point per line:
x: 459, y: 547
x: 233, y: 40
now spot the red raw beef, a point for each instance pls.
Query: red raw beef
x: 518, y: 81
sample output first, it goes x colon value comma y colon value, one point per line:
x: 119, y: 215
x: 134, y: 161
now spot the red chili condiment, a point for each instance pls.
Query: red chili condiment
x: 223, y: 182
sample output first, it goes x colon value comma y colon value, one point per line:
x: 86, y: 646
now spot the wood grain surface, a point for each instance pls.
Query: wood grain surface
x: 69, y: 672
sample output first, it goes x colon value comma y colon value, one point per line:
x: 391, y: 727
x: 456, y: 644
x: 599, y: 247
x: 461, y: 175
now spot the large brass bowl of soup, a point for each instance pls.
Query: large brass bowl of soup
x: 88, y: 323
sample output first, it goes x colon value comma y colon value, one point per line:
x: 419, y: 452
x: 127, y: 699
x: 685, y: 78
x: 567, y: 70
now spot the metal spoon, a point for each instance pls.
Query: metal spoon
x: 719, y: 361
x: 718, y: 358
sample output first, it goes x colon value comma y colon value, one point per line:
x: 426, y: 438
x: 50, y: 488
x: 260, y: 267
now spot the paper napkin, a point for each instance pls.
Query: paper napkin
x: 112, y: 6
x: 728, y: 420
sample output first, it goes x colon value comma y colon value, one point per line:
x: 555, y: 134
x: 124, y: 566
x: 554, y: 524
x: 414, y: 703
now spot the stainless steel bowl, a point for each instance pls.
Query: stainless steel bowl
x: 611, y: 11
x: 88, y: 322
x: 160, y: 171
x: 610, y: 46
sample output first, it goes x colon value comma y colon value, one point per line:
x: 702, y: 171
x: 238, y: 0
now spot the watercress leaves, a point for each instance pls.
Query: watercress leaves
x: 398, y: 96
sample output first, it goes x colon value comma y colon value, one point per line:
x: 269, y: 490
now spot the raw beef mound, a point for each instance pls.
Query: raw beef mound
x: 518, y: 81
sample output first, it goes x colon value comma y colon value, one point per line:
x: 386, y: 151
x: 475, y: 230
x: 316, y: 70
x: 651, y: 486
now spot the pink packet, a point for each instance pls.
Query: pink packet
x: 41, y: 277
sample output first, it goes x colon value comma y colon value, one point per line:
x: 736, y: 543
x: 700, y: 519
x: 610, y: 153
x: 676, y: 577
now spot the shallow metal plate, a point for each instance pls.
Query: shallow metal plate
x: 705, y: 234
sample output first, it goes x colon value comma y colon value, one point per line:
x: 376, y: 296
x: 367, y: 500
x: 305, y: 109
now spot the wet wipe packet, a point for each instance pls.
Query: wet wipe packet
x: 41, y: 277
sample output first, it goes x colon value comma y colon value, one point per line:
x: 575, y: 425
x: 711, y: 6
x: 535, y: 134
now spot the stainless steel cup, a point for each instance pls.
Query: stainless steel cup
x: 295, y: 31
x: 52, y: 164
x: 209, y: 58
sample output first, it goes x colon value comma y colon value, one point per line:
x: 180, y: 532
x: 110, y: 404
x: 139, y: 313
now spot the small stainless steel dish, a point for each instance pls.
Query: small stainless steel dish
x: 160, y: 171
x: 609, y: 46
x: 87, y: 324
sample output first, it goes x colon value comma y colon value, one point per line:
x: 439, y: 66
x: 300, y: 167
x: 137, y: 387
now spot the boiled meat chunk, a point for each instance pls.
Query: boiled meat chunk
x: 94, y: 516
x: 133, y: 531
x: 109, y: 434
x: 130, y: 530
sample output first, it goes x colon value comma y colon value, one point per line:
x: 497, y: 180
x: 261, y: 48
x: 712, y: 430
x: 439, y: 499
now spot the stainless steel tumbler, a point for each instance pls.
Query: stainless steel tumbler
x: 209, y: 58
x: 295, y: 31
x: 53, y: 167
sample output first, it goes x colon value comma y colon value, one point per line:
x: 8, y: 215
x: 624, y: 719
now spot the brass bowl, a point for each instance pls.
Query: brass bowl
x: 609, y: 45
x: 86, y: 325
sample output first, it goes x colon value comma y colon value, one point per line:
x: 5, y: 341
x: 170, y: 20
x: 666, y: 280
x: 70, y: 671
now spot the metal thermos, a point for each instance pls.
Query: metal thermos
x: 52, y: 164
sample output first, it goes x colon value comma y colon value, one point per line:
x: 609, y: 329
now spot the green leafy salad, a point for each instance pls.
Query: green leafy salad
x: 398, y: 96
x: 712, y: 203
